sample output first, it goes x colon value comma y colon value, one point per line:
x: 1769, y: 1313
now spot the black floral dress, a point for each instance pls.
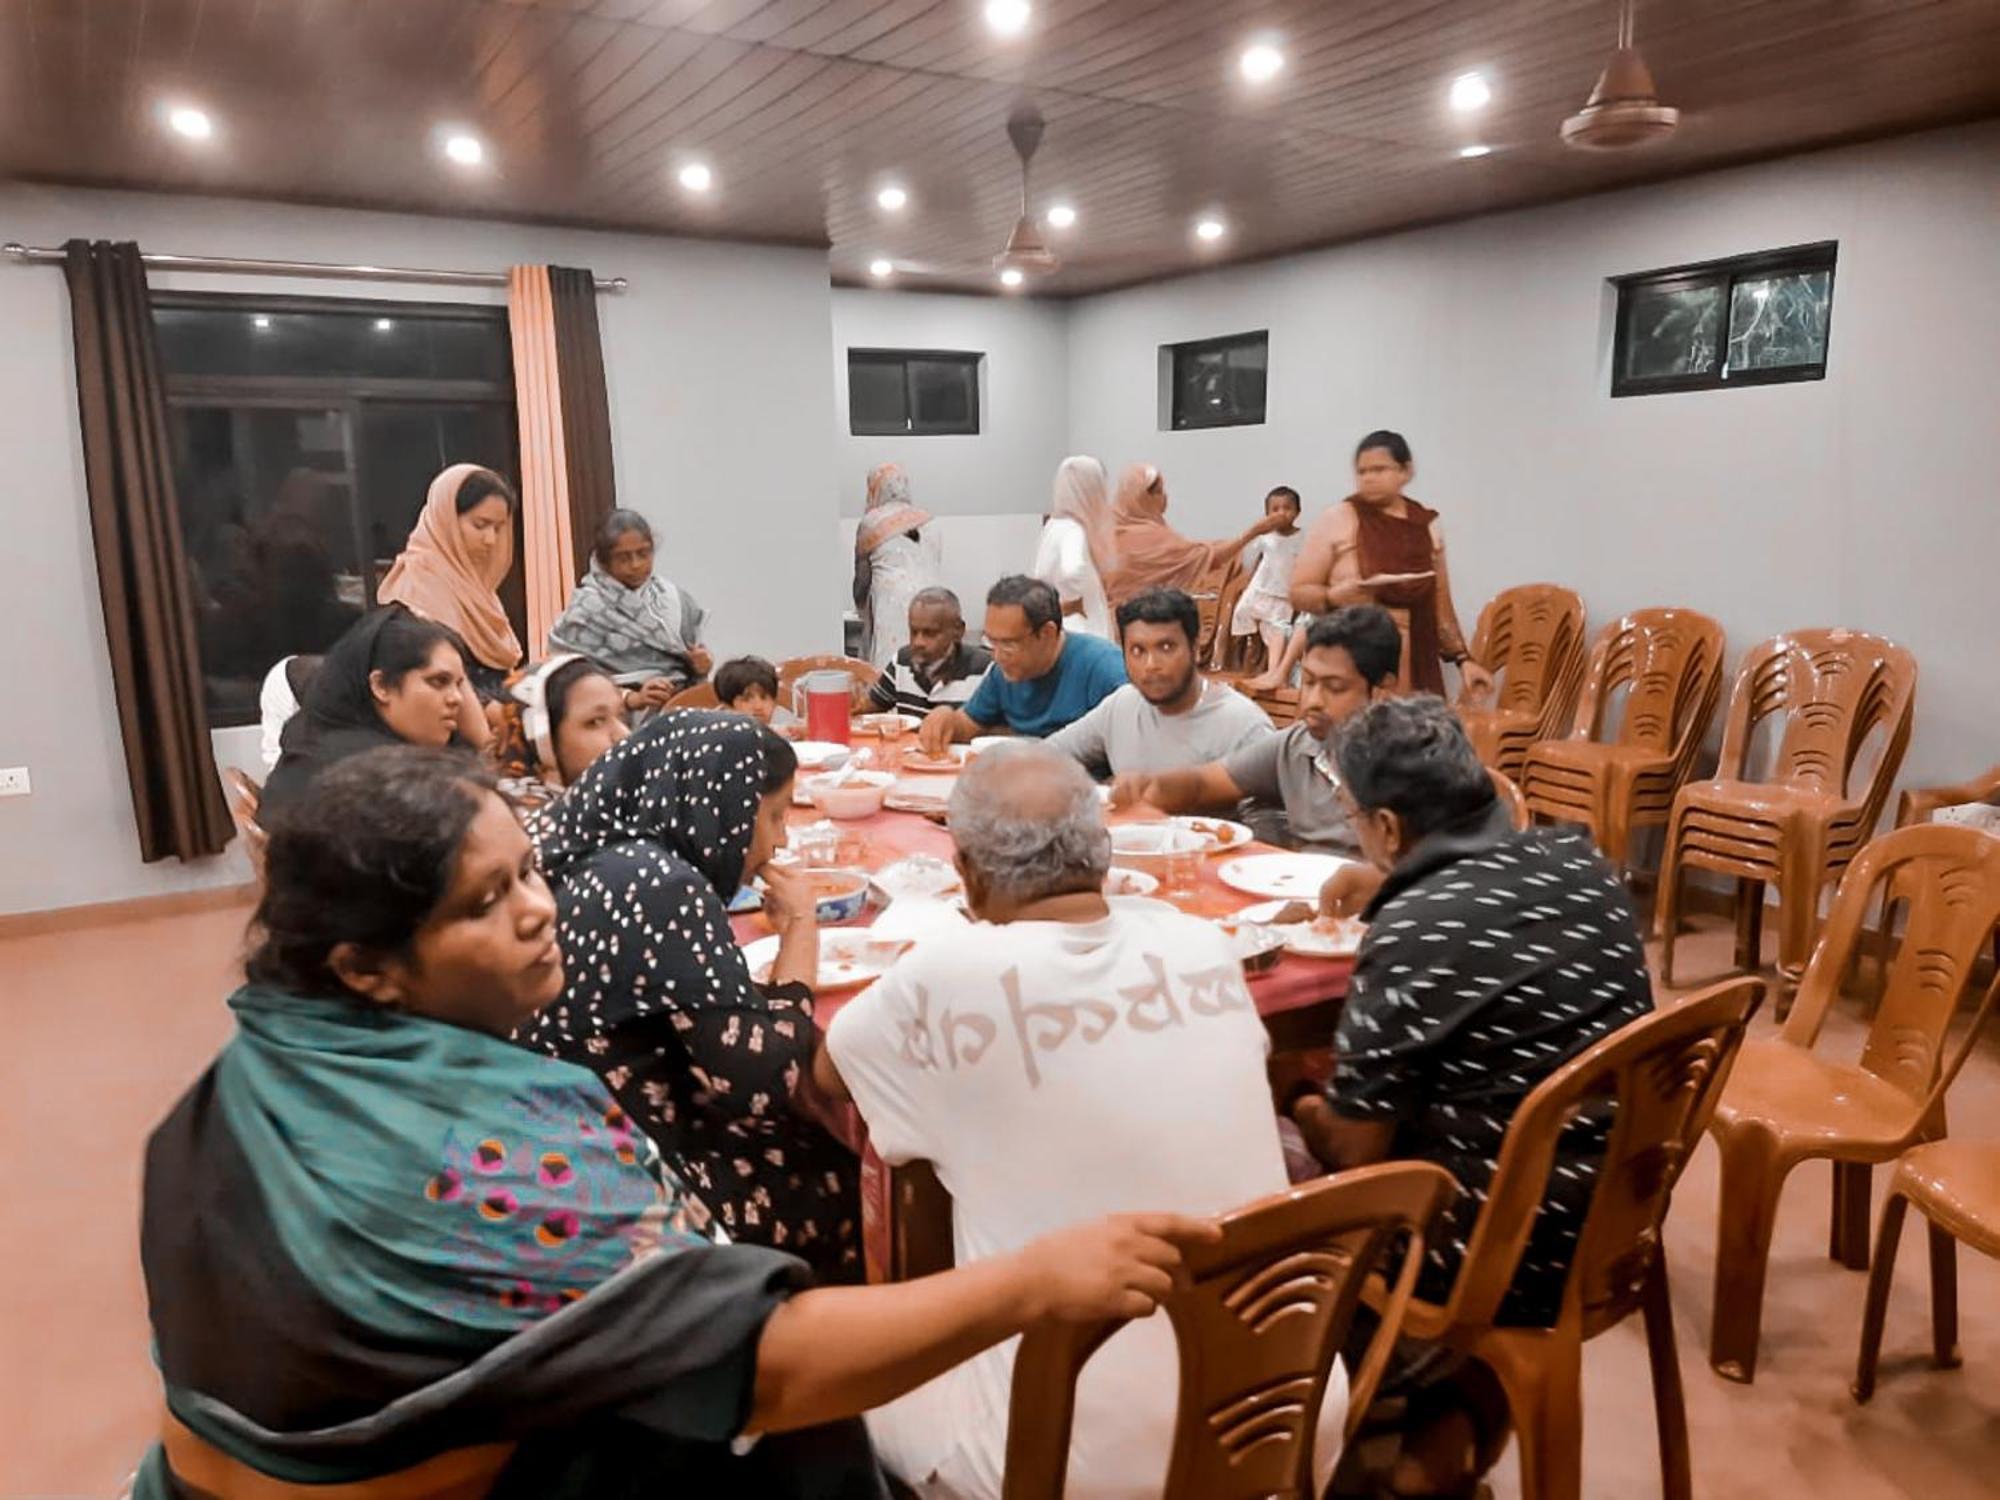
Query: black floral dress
x: 643, y: 853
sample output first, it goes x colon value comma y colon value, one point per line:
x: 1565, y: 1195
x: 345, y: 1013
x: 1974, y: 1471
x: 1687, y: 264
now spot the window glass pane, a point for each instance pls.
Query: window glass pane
x: 1775, y: 321
x: 1672, y: 330
x: 418, y: 345
x: 875, y: 395
x: 401, y: 447
x: 945, y: 395
x: 1221, y: 384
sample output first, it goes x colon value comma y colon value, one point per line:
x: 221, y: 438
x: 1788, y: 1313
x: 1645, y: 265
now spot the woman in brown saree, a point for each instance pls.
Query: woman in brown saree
x: 1378, y: 546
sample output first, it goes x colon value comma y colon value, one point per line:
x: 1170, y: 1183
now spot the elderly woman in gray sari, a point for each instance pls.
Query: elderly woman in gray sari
x: 641, y: 628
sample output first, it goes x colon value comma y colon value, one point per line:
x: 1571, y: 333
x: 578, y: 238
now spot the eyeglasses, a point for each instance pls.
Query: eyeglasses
x: 1008, y: 645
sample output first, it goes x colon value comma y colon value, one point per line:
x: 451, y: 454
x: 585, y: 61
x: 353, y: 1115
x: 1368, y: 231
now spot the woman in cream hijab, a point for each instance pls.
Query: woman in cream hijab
x: 1076, y: 550
x: 896, y: 557
x: 450, y: 569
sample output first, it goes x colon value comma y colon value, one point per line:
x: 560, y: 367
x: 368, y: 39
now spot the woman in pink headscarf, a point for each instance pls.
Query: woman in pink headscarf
x: 895, y: 559
x: 450, y: 569
x: 1151, y: 554
x: 1076, y: 549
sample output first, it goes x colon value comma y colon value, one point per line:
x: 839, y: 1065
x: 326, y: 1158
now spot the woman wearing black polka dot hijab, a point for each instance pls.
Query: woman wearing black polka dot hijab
x: 643, y: 854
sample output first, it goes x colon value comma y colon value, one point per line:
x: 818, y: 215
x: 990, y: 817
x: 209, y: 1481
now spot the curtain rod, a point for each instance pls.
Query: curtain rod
x: 35, y: 255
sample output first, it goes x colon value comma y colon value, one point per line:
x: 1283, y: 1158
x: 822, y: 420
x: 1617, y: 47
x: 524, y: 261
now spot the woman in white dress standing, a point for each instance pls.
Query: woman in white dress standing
x: 896, y: 557
x: 1076, y: 547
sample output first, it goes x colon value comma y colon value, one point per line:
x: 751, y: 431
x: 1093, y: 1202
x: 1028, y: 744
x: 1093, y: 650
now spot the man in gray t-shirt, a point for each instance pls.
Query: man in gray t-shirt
x: 1167, y: 715
x: 1350, y: 660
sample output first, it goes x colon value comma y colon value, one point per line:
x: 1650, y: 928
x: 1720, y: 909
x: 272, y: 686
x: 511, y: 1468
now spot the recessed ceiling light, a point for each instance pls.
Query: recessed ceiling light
x: 696, y: 177
x: 1012, y: 276
x: 1470, y: 91
x: 1468, y: 152
x: 1211, y: 229
x: 1008, y: 17
x: 1261, y: 62
x: 185, y: 119
x: 892, y: 198
x: 384, y: 325
x: 1061, y: 216
x: 262, y: 320
x: 466, y: 150
x: 881, y: 268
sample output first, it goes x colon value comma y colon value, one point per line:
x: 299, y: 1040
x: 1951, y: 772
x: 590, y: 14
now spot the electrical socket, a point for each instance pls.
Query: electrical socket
x: 14, y: 781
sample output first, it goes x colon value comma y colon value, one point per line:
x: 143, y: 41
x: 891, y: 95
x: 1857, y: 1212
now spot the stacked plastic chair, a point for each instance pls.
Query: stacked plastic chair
x: 1614, y: 779
x: 1837, y: 691
x: 1531, y: 638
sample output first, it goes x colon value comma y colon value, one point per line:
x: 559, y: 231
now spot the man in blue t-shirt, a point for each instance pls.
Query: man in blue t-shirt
x: 1044, y: 678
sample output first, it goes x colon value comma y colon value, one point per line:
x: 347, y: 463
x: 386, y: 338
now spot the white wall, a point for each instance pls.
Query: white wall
x: 716, y: 364
x: 1009, y: 466
x: 1868, y: 499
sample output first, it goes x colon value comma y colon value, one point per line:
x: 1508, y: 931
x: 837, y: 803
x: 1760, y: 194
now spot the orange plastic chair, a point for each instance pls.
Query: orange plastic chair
x: 1668, y: 664
x: 695, y: 695
x: 1665, y: 1072
x: 793, y: 668
x: 245, y: 796
x: 1836, y: 690
x: 1789, y: 1104
x: 206, y: 1471
x: 1511, y: 798
x: 1258, y: 1331
x: 1955, y: 1185
x: 1281, y: 704
x: 1531, y: 639
x: 1918, y: 803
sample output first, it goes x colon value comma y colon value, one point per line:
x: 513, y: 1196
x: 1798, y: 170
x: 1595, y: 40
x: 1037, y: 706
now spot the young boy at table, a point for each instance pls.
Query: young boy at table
x: 1290, y: 779
x: 1069, y: 1057
x: 937, y: 668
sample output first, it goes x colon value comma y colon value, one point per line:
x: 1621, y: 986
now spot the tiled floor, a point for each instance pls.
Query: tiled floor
x: 105, y: 1027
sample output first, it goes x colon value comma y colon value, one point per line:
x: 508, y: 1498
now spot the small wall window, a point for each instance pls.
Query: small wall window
x: 1751, y: 320
x: 1218, y: 382
x: 912, y: 392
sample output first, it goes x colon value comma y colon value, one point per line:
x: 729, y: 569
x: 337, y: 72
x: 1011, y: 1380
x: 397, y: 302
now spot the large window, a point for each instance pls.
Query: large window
x: 912, y: 392
x: 1219, y: 382
x: 1753, y: 320
x: 306, y: 431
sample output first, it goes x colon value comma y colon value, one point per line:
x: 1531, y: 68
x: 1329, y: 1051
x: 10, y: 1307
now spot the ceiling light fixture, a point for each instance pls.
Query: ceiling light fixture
x: 696, y: 177
x: 1211, y: 229
x: 1026, y: 253
x: 892, y: 198
x: 881, y: 268
x: 465, y: 149
x: 1013, y: 276
x: 1061, y: 216
x: 186, y: 120
x: 1467, y: 153
x: 1470, y: 91
x: 384, y: 325
x: 1261, y: 62
x: 1624, y: 109
x: 262, y: 320
x: 1008, y: 17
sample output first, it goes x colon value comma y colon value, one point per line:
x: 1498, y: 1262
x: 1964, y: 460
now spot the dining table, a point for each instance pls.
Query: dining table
x: 906, y: 1225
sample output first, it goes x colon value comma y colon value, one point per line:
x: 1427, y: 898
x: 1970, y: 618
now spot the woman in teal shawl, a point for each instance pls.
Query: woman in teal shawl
x: 377, y: 1236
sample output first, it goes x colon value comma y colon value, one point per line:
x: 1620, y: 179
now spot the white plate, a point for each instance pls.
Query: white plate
x: 820, y: 755
x: 1222, y: 834
x: 912, y: 800
x: 875, y: 723
x: 1310, y: 939
x: 1123, y: 882
x: 1153, y: 840
x: 1250, y: 941
x: 848, y: 958
x: 953, y: 760
x: 1290, y: 877
x: 981, y: 743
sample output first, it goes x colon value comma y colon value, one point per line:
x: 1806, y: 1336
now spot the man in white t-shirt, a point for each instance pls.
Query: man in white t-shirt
x: 1066, y: 1058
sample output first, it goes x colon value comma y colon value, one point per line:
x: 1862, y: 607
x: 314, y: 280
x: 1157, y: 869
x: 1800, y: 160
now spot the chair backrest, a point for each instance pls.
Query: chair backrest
x: 792, y: 669
x: 1258, y: 1332
x: 1281, y: 704
x: 199, y: 1466
x: 245, y: 797
x: 1950, y: 878
x: 1670, y: 663
x: 695, y: 695
x: 1662, y: 1075
x: 1226, y: 652
x: 1531, y: 638
x: 1835, y: 688
x: 1511, y: 798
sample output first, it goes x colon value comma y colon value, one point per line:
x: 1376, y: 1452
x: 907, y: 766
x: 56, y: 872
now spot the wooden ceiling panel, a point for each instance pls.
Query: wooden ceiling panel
x: 805, y: 108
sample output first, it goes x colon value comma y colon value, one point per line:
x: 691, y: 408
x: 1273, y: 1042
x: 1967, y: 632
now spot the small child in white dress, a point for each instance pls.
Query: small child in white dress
x: 1265, y: 608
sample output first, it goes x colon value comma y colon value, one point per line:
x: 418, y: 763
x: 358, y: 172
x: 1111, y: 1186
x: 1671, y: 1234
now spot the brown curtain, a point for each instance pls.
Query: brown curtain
x: 142, y: 572
x: 586, y: 411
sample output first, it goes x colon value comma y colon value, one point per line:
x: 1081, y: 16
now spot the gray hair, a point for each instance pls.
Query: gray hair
x: 938, y: 594
x: 1027, y: 819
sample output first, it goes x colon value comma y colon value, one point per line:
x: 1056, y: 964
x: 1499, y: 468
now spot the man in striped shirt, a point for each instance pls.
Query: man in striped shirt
x: 937, y: 669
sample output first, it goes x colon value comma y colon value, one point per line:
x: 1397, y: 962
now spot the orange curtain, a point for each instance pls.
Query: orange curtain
x: 548, y: 550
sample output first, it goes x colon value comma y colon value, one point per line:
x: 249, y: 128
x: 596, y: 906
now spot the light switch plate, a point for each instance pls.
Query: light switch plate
x: 14, y: 781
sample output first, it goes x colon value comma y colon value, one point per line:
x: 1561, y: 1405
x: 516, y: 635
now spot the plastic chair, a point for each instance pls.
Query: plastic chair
x: 1789, y: 1104
x: 1258, y: 1332
x: 792, y: 669
x: 1956, y: 1187
x: 1836, y: 690
x: 1237, y: 654
x: 1665, y: 1073
x: 695, y: 695
x: 1668, y: 663
x: 1511, y: 798
x: 205, y: 1470
x: 245, y: 796
x: 1531, y: 638
x: 1280, y: 704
